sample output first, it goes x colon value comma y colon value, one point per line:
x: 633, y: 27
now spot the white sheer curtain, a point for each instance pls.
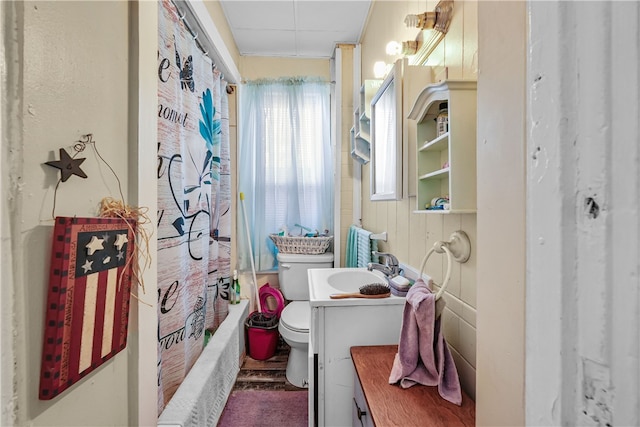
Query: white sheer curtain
x: 285, y: 167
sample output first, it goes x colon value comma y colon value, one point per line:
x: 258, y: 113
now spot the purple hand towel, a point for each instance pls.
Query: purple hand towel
x: 423, y: 355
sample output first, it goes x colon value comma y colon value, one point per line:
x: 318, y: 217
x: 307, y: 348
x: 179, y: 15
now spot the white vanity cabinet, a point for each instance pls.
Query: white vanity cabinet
x: 446, y: 164
x: 360, y: 414
x: 336, y: 326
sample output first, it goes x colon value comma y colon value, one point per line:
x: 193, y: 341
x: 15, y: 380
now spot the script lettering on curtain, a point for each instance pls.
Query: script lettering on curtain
x: 194, y: 238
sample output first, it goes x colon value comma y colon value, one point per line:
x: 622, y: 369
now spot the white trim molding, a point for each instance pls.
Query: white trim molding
x: 583, y: 200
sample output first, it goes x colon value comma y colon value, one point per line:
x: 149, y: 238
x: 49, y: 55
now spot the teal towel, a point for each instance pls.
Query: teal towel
x: 359, y: 247
x: 374, y: 248
x: 365, y: 246
x: 352, y: 247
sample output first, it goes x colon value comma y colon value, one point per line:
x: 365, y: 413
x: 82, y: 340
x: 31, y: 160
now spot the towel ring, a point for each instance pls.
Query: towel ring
x: 458, y: 248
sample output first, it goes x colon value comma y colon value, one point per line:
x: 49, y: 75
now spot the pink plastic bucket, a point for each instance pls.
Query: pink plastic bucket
x: 262, y: 335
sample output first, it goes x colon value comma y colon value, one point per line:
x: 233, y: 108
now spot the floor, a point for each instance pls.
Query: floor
x: 262, y: 396
x: 266, y: 374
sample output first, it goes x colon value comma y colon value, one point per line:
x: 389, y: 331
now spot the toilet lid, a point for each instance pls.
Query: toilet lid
x: 295, y: 316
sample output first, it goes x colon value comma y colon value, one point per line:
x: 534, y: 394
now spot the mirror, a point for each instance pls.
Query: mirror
x: 386, y: 138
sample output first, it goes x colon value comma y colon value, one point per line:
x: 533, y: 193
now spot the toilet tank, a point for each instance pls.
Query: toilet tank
x: 292, y: 273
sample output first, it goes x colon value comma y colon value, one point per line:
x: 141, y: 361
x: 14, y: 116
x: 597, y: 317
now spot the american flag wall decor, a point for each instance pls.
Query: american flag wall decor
x: 87, y: 309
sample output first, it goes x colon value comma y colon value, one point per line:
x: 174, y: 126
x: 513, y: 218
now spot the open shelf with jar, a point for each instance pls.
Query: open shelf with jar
x: 446, y: 154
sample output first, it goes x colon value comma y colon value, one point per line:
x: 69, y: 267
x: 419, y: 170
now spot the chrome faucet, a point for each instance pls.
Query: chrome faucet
x: 390, y: 268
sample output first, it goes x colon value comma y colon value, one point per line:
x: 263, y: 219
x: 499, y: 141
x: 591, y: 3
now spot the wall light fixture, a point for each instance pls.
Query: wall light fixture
x: 405, y: 48
x: 439, y: 19
x: 434, y: 26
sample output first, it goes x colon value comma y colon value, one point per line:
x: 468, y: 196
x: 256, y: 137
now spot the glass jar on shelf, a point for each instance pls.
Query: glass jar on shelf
x: 442, y: 119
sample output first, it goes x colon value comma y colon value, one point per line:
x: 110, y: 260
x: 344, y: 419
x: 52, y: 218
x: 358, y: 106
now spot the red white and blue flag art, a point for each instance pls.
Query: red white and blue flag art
x: 88, y: 299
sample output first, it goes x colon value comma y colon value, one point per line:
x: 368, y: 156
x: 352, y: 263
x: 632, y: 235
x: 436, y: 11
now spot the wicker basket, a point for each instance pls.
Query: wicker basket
x: 301, y: 245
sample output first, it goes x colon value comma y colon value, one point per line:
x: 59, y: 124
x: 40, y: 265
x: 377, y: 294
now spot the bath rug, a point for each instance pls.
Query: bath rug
x: 256, y: 408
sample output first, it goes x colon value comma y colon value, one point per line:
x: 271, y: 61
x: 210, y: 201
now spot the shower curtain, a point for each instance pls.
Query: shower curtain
x: 194, y: 200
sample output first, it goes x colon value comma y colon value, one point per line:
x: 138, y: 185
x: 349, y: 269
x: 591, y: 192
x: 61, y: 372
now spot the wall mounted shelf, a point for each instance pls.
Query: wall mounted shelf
x: 446, y: 164
x: 361, y: 130
x: 368, y: 89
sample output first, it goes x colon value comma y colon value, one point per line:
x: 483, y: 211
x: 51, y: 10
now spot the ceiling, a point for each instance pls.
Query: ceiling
x: 295, y: 28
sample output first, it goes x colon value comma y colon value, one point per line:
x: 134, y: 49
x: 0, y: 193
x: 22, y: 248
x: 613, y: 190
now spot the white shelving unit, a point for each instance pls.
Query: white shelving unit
x: 360, y: 147
x: 367, y: 90
x: 446, y: 164
x: 361, y: 131
x: 415, y: 77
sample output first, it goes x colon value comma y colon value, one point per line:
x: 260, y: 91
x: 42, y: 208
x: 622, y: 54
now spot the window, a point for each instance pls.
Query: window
x: 285, y: 164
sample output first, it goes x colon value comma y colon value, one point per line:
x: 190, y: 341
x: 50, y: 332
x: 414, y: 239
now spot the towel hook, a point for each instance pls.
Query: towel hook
x: 457, y: 248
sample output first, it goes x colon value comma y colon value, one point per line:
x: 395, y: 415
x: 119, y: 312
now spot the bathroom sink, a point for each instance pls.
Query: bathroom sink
x: 351, y: 279
x: 326, y: 281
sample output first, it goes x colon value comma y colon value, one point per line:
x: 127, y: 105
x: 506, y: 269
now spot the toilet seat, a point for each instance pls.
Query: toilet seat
x: 295, y: 316
x: 267, y: 291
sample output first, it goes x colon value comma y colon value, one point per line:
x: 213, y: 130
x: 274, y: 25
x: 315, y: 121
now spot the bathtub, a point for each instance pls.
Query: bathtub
x: 201, y: 397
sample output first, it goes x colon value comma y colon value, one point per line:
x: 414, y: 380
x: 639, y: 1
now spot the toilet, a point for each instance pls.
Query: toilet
x: 296, y: 315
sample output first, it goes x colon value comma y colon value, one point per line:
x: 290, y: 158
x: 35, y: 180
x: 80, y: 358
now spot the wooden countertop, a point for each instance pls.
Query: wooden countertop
x: 391, y: 405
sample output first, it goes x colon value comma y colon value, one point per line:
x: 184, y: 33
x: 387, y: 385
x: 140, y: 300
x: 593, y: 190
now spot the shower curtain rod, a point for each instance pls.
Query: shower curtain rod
x: 199, y: 24
x: 183, y: 17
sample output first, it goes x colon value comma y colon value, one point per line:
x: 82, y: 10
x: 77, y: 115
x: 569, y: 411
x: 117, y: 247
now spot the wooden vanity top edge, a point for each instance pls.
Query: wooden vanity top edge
x: 391, y: 405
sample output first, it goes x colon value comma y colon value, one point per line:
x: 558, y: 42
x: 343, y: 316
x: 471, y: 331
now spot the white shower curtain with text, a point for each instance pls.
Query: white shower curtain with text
x: 194, y: 222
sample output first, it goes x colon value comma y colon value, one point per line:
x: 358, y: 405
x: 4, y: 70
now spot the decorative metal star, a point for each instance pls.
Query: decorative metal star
x: 68, y: 165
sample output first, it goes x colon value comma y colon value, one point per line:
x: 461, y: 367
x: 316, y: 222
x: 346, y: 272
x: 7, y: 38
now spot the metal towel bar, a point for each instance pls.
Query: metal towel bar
x: 379, y: 236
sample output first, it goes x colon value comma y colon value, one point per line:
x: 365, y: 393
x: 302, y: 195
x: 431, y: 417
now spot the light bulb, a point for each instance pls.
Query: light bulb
x: 411, y: 21
x: 379, y: 69
x: 393, y: 48
x: 423, y: 21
